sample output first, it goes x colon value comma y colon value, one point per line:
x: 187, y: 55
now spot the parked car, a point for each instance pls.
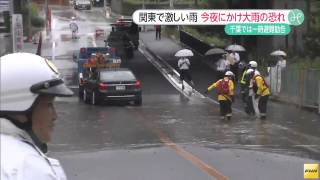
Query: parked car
x: 82, y: 4
x: 112, y: 84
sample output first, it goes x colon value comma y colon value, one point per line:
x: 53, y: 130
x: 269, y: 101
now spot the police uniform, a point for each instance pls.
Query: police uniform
x: 22, y: 159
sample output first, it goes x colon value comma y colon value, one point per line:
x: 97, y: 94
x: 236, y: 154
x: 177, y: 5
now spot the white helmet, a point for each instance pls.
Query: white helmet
x: 24, y: 77
x: 253, y: 64
x: 229, y: 73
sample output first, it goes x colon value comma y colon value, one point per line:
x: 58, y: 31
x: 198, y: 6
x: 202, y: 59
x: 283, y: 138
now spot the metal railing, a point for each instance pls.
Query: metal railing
x: 194, y: 43
x: 301, y: 86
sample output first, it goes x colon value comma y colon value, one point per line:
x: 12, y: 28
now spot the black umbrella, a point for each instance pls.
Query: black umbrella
x: 215, y: 51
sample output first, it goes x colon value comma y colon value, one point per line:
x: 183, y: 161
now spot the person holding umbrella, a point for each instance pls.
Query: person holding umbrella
x: 184, y: 66
x: 234, y: 57
x: 277, y: 69
x: 222, y: 65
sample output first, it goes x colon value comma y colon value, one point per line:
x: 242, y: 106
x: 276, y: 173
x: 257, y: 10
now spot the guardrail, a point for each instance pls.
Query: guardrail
x: 297, y: 85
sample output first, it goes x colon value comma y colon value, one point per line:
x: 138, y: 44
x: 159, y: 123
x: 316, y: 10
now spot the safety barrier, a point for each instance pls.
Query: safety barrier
x: 301, y: 86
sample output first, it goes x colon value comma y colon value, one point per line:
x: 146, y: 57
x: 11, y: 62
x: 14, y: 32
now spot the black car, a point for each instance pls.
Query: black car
x: 112, y: 84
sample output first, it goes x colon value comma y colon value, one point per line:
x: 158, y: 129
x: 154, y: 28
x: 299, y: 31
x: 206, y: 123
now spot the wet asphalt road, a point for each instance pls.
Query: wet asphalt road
x: 169, y: 136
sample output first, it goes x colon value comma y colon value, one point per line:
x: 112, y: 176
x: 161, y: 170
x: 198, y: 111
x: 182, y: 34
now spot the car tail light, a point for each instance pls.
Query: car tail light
x: 102, y: 86
x: 137, y: 85
x: 82, y: 50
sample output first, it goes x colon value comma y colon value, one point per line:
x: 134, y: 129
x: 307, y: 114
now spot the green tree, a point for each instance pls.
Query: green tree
x: 312, y: 37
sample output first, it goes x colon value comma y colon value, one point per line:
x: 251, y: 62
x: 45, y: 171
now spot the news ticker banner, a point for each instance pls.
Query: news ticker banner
x: 237, y: 22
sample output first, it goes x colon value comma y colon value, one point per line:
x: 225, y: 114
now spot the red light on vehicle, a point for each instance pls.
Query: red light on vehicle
x: 82, y: 50
x: 137, y: 85
x: 102, y: 87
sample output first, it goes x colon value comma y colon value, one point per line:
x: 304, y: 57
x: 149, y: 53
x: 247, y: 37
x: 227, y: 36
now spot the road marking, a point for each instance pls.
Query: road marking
x: 211, y: 171
x: 188, y: 156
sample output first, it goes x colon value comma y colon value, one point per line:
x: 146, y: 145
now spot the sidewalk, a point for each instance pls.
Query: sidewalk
x: 281, y: 113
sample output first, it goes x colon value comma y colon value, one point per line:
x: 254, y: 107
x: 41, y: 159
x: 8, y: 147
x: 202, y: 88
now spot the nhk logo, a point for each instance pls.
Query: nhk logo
x: 311, y: 171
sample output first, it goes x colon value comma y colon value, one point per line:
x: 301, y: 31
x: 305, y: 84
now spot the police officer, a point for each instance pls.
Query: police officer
x: 29, y: 84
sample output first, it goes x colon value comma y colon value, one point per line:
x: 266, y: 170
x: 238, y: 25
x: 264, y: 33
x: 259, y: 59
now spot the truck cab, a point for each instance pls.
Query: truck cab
x: 124, y: 37
x: 82, y: 4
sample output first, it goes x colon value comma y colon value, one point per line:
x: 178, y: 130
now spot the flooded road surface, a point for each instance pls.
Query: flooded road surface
x: 170, y: 136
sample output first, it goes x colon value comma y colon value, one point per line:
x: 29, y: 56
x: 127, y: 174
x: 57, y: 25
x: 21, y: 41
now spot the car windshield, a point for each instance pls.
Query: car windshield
x: 117, y: 76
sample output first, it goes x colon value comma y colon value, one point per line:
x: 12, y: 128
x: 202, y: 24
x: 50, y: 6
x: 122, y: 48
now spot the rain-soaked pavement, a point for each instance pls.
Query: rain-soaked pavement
x: 170, y: 136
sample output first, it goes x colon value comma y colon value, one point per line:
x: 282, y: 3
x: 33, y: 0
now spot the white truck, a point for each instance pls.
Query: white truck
x: 82, y: 4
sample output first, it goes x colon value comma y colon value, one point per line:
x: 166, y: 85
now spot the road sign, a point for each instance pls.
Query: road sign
x: 17, y: 32
x: 4, y: 5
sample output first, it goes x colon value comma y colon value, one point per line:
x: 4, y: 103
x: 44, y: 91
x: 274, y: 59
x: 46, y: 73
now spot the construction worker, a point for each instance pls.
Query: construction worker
x: 262, y: 93
x: 225, y: 91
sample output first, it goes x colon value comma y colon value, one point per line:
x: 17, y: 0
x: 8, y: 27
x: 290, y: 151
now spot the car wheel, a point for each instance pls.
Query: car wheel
x: 85, y: 96
x: 80, y: 93
x: 138, y: 102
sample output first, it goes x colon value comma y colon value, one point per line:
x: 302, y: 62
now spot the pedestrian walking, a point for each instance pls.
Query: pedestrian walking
x: 184, y: 68
x: 223, y: 66
x: 29, y: 84
x: 158, y: 32
x: 262, y: 93
x: 225, y: 91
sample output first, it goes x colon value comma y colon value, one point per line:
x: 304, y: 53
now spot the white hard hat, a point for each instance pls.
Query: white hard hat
x: 229, y: 73
x: 253, y: 64
x: 24, y: 77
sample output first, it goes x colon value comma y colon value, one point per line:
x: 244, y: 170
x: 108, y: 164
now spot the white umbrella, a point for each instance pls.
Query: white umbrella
x: 214, y: 51
x: 278, y: 53
x: 235, y: 47
x: 184, y: 53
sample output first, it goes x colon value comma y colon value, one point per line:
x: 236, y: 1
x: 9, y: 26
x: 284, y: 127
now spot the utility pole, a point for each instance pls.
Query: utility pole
x: 46, y: 16
x: 143, y: 7
x: 11, y: 11
x: 171, y: 4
